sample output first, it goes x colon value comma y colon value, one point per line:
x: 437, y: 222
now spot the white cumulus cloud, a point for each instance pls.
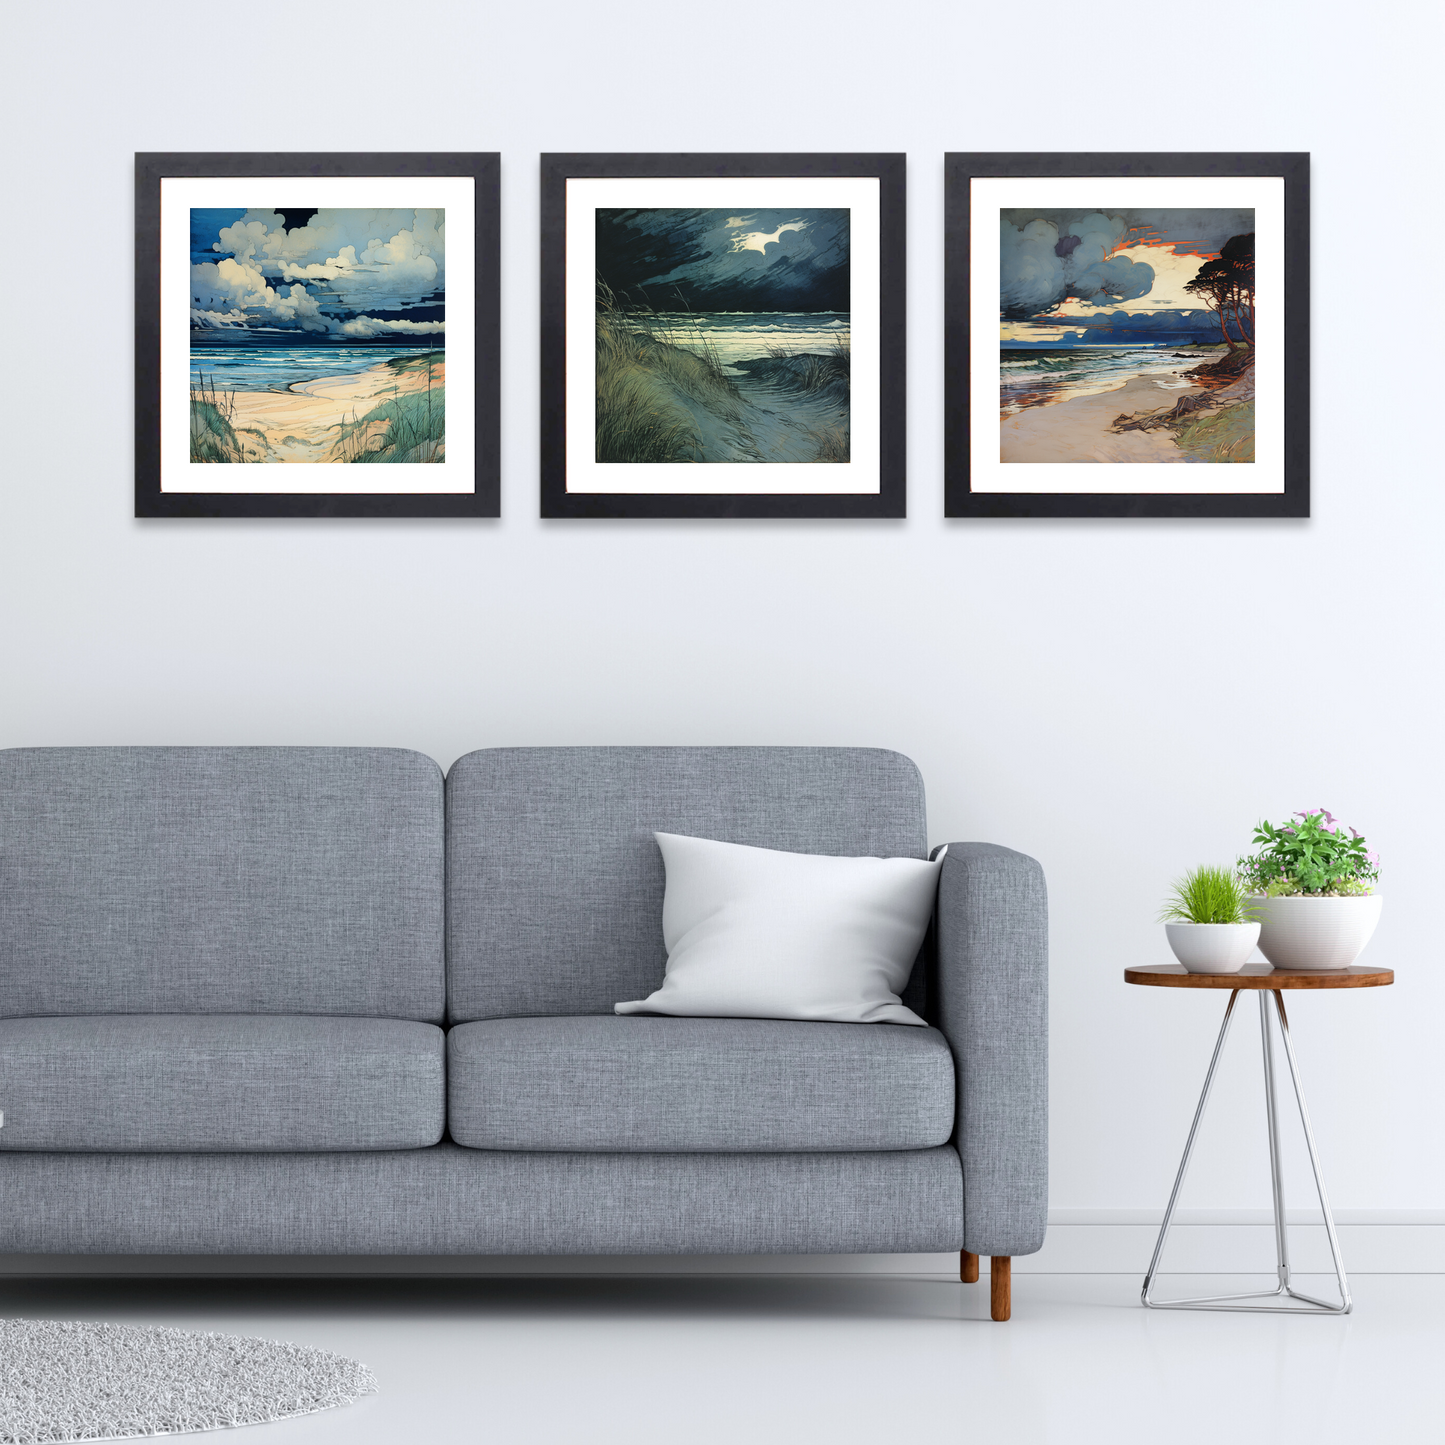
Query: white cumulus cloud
x: 371, y: 326
x: 396, y: 251
x: 217, y: 320
x: 340, y: 260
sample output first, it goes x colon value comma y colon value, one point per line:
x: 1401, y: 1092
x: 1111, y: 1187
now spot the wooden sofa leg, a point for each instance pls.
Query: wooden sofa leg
x: 1000, y: 1295
x: 968, y: 1267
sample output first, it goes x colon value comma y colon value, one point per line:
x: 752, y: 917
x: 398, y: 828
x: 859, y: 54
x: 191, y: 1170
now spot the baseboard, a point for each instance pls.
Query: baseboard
x: 1238, y: 1241
x: 1078, y: 1242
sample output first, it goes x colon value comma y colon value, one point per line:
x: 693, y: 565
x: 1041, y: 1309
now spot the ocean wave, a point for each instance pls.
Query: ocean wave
x: 663, y: 324
x: 700, y: 315
x: 260, y: 368
x: 1052, y: 375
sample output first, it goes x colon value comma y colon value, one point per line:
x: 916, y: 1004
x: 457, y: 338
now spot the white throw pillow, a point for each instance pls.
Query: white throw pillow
x: 754, y: 933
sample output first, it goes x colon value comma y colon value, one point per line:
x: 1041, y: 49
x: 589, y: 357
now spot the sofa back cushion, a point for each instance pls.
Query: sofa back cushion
x: 555, y: 882
x: 221, y: 880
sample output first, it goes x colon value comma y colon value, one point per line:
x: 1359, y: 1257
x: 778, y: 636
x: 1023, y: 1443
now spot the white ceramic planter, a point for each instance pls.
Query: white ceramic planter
x: 1316, y: 933
x: 1212, y: 947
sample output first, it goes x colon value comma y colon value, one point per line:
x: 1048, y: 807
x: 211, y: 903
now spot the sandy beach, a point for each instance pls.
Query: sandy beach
x: 1079, y: 430
x: 304, y: 423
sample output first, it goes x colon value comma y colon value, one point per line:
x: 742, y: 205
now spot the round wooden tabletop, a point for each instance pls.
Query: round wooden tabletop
x: 1261, y: 975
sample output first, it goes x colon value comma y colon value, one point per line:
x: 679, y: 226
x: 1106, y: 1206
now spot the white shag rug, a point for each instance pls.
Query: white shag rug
x: 63, y: 1380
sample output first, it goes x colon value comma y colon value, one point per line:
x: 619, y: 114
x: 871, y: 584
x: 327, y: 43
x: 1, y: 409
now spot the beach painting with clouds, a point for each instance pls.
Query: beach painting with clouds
x: 1127, y: 335
x: 723, y: 335
x: 317, y: 334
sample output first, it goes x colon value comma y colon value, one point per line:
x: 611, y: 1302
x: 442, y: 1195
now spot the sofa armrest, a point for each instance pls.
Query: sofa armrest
x: 992, y: 1004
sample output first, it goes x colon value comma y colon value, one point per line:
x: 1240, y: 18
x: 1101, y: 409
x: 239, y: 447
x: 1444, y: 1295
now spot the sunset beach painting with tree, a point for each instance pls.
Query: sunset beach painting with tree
x: 1127, y: 335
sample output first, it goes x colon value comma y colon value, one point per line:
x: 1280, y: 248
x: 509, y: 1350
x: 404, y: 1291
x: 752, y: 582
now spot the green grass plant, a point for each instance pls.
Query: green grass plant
x: 641, y: 380
x: 833, y: 444
x: 1219, y: 436
x: 213, y: 438
x: 1208, y: 895
x: 818, y: 371
x: 1311, y: 857
x: 638, y: 422
x: 407, y: 427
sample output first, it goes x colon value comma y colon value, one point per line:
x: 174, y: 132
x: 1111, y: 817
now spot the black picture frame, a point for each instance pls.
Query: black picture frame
x: 152, y: 501
x: 960, y: 170
x: 890, y: 500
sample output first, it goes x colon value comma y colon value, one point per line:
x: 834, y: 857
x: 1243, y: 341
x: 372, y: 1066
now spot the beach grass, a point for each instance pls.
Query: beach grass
x: 814, y: 372
x: 640, y: 378
x: 638, y: 422
x: 408, y: 427
x: 1219, y: 436
x: 213, y: 438
x: 833, y: 444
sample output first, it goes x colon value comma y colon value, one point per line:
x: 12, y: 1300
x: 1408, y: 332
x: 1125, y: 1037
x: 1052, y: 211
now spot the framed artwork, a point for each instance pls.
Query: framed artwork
x: 316, y: 335
x: 1127, y: 335
x: 723, y: 336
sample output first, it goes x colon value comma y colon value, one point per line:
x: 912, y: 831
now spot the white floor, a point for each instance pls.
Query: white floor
x: 751, y: 1361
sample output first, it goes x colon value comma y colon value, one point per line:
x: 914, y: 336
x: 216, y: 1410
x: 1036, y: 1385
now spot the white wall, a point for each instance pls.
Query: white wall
x: 1121, y: 699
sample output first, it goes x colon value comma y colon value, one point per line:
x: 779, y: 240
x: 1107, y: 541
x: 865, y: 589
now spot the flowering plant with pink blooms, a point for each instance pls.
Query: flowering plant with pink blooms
x: 1312, y: 857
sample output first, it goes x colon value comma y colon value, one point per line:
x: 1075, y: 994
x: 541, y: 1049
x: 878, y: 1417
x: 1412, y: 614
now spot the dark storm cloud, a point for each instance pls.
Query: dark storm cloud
x: 1201, y: 231
x: 727, y: 260
x: 1048, y: 256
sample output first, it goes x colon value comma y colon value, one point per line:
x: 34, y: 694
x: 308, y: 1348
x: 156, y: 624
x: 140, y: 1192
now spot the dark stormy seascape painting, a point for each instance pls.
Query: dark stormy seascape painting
x: 316, y: 335
x: 1127, y: 335
x: 723, y: 335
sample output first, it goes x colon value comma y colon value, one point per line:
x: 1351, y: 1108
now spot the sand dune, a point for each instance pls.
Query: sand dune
x: 304, y: 423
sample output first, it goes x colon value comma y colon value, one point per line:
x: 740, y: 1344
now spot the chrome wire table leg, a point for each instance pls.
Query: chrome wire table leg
x: 1311, y: 1305
x: 1276, y: 1172
x: 1188, y: 1150
x: 1345, y: 1304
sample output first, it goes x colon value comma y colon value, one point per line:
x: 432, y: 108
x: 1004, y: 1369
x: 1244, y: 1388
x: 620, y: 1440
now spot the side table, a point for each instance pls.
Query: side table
x: 1269, y: 983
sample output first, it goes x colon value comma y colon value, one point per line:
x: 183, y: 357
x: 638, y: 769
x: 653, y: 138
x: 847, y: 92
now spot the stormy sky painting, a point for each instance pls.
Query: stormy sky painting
x: 761, y: 260
x: 1126, y: 335
x: 723, y: 335
x: 1117, y: 277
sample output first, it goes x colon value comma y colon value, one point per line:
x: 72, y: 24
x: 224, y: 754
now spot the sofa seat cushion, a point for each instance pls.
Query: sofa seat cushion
x: 228, y: 1082
x: 714, y: 1085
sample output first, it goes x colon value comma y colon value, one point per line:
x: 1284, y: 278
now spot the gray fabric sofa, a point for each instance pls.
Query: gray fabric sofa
x: 321, y: 1001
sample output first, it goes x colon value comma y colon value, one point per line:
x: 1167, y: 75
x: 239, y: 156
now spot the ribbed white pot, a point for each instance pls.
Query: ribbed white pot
x: 1316, y: 933
x: 1212, y: 947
